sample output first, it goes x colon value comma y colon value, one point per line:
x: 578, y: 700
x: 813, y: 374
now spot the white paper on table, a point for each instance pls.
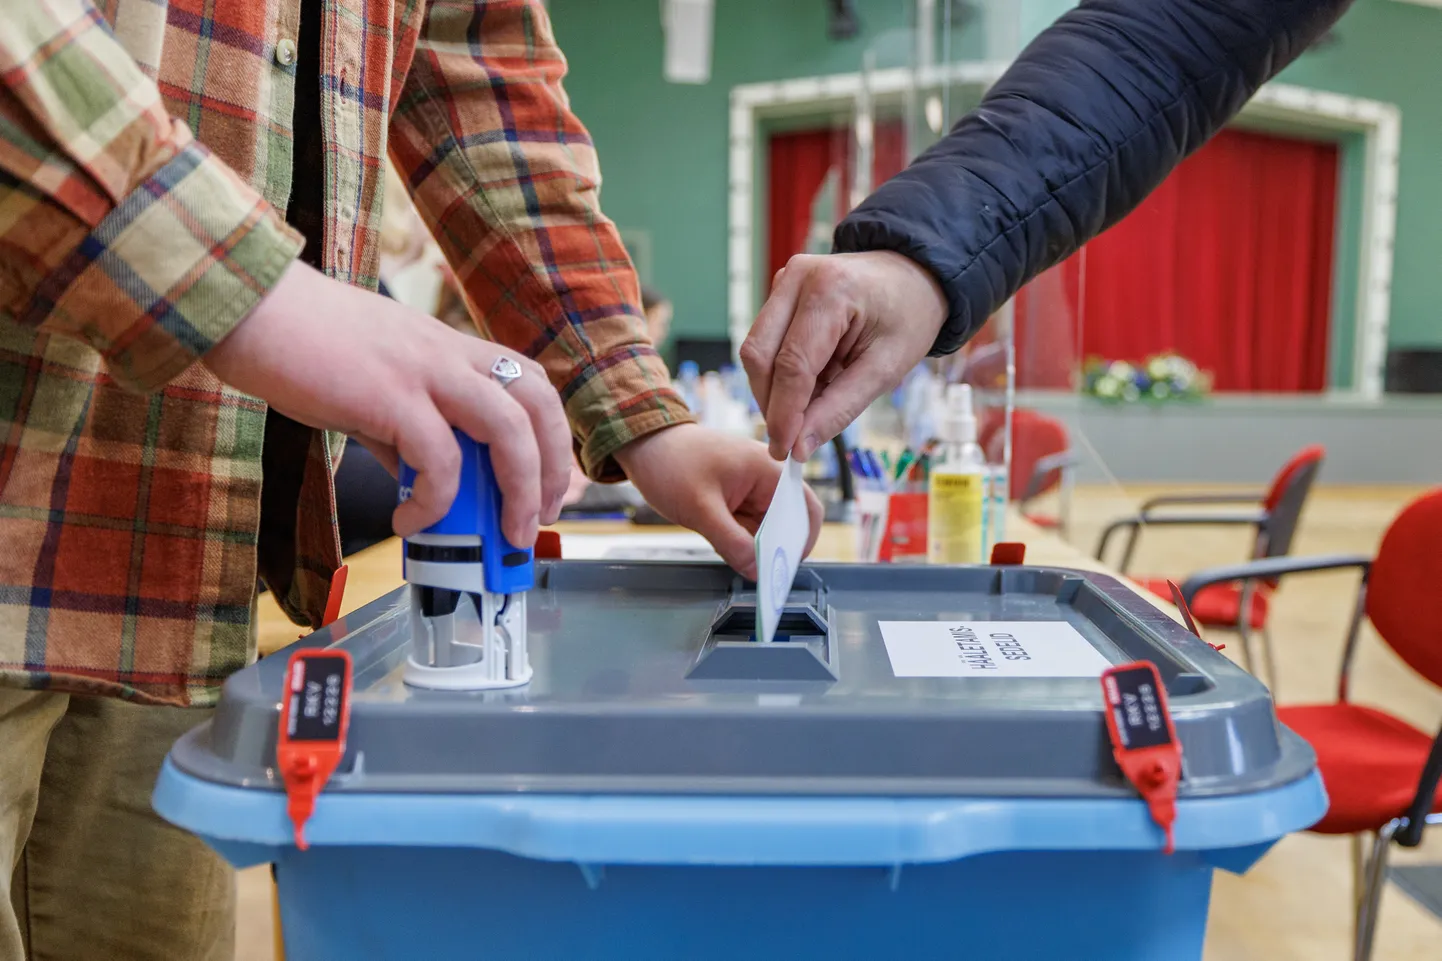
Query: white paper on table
x: 685, y: 546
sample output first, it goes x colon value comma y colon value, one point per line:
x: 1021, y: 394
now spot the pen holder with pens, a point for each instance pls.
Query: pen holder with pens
x: 891, y: 525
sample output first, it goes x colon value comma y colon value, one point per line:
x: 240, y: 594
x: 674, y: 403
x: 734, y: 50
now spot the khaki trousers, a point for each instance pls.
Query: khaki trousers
x: 95, y: 874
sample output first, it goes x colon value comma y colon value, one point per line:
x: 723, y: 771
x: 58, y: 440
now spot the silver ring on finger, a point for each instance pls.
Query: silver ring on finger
x: 506, y: 371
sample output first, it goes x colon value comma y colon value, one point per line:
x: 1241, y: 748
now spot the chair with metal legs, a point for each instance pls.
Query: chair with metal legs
x: 1381, y: 773
x: 1041, y: 461
x: 1241, y: 607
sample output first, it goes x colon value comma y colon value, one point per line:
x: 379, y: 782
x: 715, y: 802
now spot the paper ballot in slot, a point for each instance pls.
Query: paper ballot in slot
x: 780, y: 542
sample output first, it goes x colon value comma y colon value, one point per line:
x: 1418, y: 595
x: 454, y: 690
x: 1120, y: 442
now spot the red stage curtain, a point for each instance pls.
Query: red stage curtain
x: 888, y: 158
x: 1048, y: 353
x: 798, y: 163
x: 1229, y: 263
x: 797, y: 167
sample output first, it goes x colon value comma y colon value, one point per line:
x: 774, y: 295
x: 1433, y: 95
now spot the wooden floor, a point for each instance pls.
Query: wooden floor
x: 1295, y: 904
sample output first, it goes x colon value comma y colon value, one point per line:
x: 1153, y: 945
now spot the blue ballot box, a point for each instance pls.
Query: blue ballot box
x: 917, y: 768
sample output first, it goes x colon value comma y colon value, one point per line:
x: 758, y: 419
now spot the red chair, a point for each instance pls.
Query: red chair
x: 1041, y: 461
x: 1380, y: 772
x: 989, y: 424
x: 1239, y: 606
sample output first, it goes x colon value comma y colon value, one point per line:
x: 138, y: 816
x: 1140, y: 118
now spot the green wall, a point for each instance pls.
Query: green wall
x: 1392, y: 51
x: 663, y: 146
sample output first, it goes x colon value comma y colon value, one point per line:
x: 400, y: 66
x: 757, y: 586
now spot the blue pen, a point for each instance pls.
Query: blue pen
x: 865, y: 469
x: 858, y: 472
x: 878, y: 474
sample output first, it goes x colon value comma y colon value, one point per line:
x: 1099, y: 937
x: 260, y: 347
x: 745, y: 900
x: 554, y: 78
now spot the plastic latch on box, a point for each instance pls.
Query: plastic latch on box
x: 335, y: 597
x: 314, y: 718
x: 1008, y: 554
x: 1144, y: 742
x: 1187, y: 618
x: 548, y: 546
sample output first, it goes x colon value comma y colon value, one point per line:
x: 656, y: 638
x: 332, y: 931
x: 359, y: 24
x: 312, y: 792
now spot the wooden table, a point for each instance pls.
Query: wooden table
x: 377, y: 570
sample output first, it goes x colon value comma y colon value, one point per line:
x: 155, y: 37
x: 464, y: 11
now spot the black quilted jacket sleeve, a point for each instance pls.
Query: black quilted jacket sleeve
x: 1089, y: 120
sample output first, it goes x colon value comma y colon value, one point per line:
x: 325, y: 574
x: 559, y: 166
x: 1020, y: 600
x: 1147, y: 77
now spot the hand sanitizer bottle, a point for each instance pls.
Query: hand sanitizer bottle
x: 955, y: 500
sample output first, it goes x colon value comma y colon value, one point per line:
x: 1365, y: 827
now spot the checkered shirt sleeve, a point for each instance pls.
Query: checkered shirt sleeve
x: 507, y: 179
x: 130, y: 235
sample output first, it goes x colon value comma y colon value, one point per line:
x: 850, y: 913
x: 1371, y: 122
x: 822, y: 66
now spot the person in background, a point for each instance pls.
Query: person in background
x: 189, y: 328
x: 658, y: 310
x: 1089, y: 119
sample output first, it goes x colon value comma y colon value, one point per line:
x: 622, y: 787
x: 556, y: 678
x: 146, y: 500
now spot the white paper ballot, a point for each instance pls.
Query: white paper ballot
x: 990, y: 649
x: 780, y: 541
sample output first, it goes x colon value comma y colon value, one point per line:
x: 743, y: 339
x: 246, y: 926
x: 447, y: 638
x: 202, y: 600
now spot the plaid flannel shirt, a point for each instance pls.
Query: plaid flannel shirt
x: 145, y: 160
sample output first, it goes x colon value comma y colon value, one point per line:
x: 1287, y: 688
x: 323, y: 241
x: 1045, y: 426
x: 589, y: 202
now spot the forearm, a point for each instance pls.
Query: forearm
x: 1089, y: 120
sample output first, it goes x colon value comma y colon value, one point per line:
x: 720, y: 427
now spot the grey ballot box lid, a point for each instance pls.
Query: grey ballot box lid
x: 648, y: 680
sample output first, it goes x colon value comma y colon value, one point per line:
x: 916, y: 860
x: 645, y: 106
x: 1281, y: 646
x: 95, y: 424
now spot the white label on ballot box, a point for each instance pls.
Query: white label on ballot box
x: 990, y: 649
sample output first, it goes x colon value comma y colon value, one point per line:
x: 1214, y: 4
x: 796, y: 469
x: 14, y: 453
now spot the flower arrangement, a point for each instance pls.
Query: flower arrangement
x: 1163, y: 377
